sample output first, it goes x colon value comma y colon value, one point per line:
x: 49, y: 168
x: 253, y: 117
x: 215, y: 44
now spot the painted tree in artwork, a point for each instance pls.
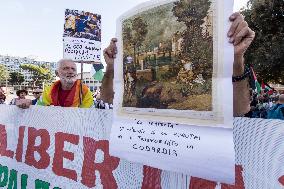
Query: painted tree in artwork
x: 134, y: 33
x: 197, y: 45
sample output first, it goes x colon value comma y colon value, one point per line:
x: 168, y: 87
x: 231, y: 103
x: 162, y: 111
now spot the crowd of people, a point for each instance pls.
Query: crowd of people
x: 70, y: 92
x: 37, y: 93
x: 266, y: 105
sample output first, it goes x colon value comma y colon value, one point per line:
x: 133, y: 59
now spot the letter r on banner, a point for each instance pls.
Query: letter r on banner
x: 105, y: 168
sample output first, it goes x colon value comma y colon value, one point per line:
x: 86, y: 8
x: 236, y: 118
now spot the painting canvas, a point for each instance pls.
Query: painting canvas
x: 169, y: 62
x: 82, y: 36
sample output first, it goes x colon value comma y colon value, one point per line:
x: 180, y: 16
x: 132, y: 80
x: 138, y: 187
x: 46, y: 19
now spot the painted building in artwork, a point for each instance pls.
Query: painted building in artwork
x: 12, y: 63
x: 177, y: 43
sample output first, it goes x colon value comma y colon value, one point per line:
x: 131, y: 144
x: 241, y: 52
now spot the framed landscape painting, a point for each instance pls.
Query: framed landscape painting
x: 171, y: 63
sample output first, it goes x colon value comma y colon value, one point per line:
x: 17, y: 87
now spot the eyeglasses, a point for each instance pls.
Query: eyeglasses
x: 36, y: 93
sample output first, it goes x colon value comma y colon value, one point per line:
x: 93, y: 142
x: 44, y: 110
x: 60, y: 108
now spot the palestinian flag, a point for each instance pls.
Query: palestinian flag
x: 257, y: 85
x: 97, y: 71
x: 266, y: 88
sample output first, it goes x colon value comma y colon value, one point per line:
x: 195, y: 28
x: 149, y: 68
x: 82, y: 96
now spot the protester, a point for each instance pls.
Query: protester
x: 21, y: 101
x: 68, y: 91
x: 2, y: 96
x: 277, y: 111
x: 37, y: 93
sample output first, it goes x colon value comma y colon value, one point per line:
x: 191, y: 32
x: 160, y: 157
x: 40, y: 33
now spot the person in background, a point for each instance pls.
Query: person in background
x: 2, y: 96
x: 37, y: 93
x: 21, y: 101
x: 70, y: 92
x: 277, y: 111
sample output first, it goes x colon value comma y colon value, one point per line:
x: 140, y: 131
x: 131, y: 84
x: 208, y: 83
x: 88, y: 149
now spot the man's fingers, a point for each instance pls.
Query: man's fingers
x: 234, y: 26
x: 243, y: 25
x: 111, y: 50
x: 234, y: 16
x: 241, y: 34
x: 238, y: 19
x: 249, y: 38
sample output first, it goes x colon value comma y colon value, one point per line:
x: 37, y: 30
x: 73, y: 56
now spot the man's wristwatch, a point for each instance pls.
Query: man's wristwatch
x: 243, y: 76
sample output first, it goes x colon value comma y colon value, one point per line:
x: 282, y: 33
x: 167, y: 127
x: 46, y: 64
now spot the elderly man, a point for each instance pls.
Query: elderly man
x: 37, y: 93
x: 2, y: 96
x: 68, y: 91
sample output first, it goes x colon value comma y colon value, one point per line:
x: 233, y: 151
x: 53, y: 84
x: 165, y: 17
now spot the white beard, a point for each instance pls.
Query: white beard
x: 69, y: 81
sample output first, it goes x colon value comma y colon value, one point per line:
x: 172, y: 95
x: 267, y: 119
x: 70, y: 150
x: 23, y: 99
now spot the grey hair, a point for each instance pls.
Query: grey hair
x: 62, y: 61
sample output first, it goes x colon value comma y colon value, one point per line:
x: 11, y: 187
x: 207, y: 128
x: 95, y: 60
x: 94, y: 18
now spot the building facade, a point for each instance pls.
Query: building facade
x: 90, y: 81
x: 13, y: 63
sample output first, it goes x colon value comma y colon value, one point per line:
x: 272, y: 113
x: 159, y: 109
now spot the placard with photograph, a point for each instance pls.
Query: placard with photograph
x: 82, y: 36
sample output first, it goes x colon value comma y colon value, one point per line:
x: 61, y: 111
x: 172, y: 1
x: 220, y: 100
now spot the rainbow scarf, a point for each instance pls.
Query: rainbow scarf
x: 73, y: 98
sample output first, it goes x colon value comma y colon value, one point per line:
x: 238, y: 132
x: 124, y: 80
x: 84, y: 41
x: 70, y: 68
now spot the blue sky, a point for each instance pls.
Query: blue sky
x: 34, y: 27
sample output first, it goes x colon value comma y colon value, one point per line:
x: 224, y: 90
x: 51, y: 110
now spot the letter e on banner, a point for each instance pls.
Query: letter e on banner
x: 59, y: 154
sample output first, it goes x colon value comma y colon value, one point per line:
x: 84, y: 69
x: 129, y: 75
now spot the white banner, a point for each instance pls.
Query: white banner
x: 67, y: 148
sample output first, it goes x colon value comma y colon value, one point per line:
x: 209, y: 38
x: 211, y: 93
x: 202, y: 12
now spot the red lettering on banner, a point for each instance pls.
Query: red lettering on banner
x: 151, y: 178
x: 198, y: 183
x: 239, y: 180
x: 105, y: 168
x: 3, y: 143
x: 281, y: 180
x: 41, y: 148
x: 59, y: 154
x: 19, y: 150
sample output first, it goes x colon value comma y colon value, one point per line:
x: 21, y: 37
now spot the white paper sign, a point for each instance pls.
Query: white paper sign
x: 82, y: 49
x: 202, y: 152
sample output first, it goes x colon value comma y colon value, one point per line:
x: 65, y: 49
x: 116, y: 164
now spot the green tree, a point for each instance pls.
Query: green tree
x: 16, y: 78
x: 4, y: 73
x: 197, y: 47
x: 39, y: 74
x: 266, y: 53
x: 134, y: 33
